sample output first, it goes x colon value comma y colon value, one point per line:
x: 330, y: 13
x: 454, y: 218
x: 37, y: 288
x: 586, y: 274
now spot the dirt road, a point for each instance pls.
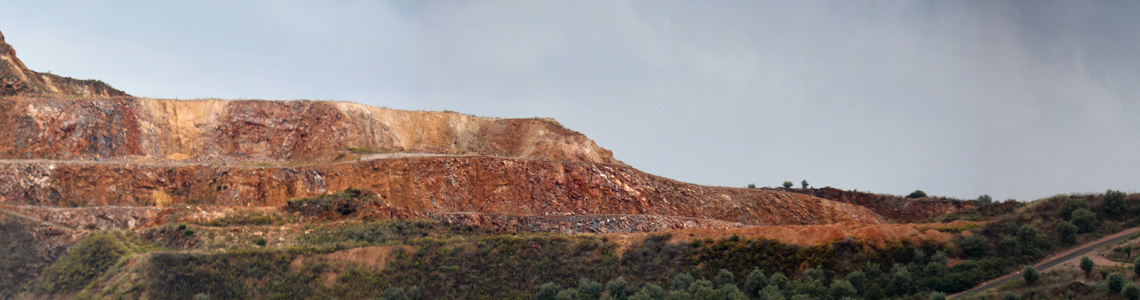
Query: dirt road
x: 1053, y: 261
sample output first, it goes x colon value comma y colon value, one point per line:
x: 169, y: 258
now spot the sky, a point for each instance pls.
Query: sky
x: 1018, y: 100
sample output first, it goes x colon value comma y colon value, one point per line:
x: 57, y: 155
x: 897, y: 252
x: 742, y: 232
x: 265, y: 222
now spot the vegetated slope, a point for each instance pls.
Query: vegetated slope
x: 216, y: 130
x: 896, y: 208
x: 15, y: 79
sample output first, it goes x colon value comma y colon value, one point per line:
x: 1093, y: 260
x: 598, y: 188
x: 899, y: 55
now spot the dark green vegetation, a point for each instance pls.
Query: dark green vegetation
x: 433, y: 260
x: 340, y: 204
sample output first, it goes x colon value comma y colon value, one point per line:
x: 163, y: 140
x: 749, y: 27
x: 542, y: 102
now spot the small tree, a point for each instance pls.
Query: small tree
x: 1068, y: 232
x: 1115, y: 282
x: 1072, y: 205
x: 1136, y: 266
x: 1131, y: 291
x: 1084, y: 219
x: 1086, y: 265
x: 751, y: 185
x: 771, y: 293
x: 937, y: 296
x: 724, y: 277
x: 755, y: 282
x: 985, y: 199
x: 1030, y: 274
x: 1128, y: 251
x: 547, y: 291
x: 1113, y: 202
x: 617, y: 288
x: 804, y: 183
x: 917, y: 194
x: 842, y: 288
x: 681, y: 282
x: 788, y: 184
x: 589, y: 288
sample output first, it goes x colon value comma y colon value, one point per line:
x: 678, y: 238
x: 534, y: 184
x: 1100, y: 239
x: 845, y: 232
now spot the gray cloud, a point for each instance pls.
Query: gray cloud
x: 1013, y: 99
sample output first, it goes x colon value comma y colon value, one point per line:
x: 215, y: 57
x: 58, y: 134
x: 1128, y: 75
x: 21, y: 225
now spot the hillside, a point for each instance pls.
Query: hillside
x: 106, y: 195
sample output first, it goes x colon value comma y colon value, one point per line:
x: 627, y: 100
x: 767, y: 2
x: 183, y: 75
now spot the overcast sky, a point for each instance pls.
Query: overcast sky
x: 1013, y: 99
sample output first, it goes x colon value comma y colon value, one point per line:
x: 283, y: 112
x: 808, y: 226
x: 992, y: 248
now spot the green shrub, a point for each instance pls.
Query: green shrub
x: 1086, y: 265
x: 1131, y: 291
x: 681, y: 282
x: 1113, y: 202
x: 788, y: 184
x: 259, y: 241
x: 1115, y: 282
x: 985, y: 199
x: 83, y: 263
x: 617, y: 288
x: 937, y: 296
x: 917, y: 194
x: 1067, y: 232
x: 547, y: 291
x: 757, y: 281
x: 804, y: 183
x: 751, y: 185
x: 1083, y: 219
x: 1071, y: 205
x: 1030, y: 274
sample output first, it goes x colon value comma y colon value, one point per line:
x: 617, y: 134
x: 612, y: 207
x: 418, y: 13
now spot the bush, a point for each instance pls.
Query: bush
x: 1113, y: 202
x: 788, y: 184
x: 259, y: 241
x: 751, y: 185
x: 975, y: 246
x: 547, y: 291
x: 1131, y: 291
x: 724, y: 277
x: 917, y: 194
x: 771, y: 293
x: 1030, y: 274
x: 1115, y: 282
x: 589, y: 289
x: 1067, y: 232
x: 804, y: 183
x: 985, y: 199
x: 1086, y: 265
x: 1084, y: 219
x: 83, y: 263
x: 567, y: 294
x: 681, y: 282
x: 617, y: 288
x: 756, y: 281
x: 1072, y: 205
x: 1010, y: 296
x: 937, y: 296
x: 1136, y: 266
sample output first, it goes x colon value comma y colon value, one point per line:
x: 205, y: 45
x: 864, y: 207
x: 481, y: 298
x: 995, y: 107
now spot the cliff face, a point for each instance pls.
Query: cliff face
x: 15, y: 78
x: 446, y: 184
x: 215, y: 130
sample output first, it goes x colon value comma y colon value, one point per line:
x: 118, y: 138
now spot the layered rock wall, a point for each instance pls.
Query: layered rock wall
x: 244, y: 131
x: 428, y: 184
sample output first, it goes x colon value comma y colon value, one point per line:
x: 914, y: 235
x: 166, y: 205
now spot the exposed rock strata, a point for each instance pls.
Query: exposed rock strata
x: 428, y: 184
x: 317, y: 131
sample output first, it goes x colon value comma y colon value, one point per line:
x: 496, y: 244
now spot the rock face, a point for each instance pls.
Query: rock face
x: 15, y: 78
x: 244, y: 131
x: 73, y: 143
x: 449, y: 184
